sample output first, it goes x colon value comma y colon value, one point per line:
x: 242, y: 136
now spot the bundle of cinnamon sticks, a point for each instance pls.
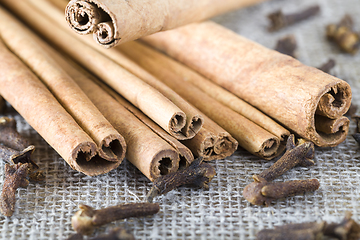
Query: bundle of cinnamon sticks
x: 205, y: 98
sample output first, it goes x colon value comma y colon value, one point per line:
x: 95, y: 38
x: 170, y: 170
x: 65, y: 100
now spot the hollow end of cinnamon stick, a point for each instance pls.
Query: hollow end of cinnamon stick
x: 112, y: 148
x: 163, y: 163
x: 86, y: 17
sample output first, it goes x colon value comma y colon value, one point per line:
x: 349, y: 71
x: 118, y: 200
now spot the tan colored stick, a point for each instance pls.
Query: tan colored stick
x: 220, y: 94
x: 211, y: 142
x: 170, y: 117
x: 117, y: 21
x: 145, y: 149
x: 250, y: 136
x: 194, y: 120
x: 278, y: 85
x: 29, y: 96
x: 23, y: 43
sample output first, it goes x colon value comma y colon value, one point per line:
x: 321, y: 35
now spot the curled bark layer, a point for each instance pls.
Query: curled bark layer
x: 117, y: 21
x: 278, y: 85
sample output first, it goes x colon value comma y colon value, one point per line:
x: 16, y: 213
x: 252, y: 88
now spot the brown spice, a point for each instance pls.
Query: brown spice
x: 279, y: 20
x: 87, y: 219
x: 262, y: 192
x: 17, y: 149
x: 287, y: 45
x: 198, y: 173
x: 293, y: 231
x: 2, y: 104
x: 326, y: 67
x: 347, y: 229
x: 295, y: 155
x: 15, y: 177
x: 115, y: 234
x: 343, y: 34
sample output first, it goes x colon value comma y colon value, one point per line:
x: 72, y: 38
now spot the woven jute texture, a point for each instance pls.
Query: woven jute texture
x: 43, y: 210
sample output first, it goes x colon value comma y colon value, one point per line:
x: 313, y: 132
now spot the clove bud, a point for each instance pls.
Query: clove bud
x: 300, y: 154
x: 343, y: 34
x: 262, y: 192
x: 198, y: 174
x: 87, y: 219
x: 279, y: 20
x: 287, y: 45
x: 15, y: 177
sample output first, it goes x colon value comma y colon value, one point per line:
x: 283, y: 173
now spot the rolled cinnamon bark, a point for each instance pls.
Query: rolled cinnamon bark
x: 23, y: 43
x: 211, y: 142
x: 29, y: 96
x: 250, y: 136
x: 145, y: 149
x: 117, y: 21
x: 157, y: 59
x: 160, y: 109
x: 276, y: 84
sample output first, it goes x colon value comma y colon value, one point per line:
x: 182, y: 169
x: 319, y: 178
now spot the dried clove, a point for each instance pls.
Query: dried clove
x: 15, y: 177
x: 287, y: 45
x: 87, y: 219
x: 2, y: 104
x: 115, y: 234
x: 9, y: 136
x: 279, y: 20
x: 262, y: 192
x: 295, y: 155
x: 198, y: 174
x: 297, y: 231
x: 343, y: 34
x: 347, y: 229
x: 16, y: 148
x: 326, y: 67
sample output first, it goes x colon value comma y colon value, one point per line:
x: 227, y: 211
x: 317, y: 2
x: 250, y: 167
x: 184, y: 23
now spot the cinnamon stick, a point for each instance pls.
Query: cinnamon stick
x: 151, y: 154
x: 220, y: 94
x: 276, y: 84
x: 211, y: 141
x: 160, y: 109
x: 29, y: 96
x: 250, y: 136
x: 21, y: 41
x: 117, y: 21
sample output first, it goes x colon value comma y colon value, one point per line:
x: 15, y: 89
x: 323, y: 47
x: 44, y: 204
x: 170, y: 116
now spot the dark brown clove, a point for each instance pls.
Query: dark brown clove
x: 2, y: 104
x: 347, y: 229
x: 303, y: 231
x: 262, y: 192
x: 16, y: 148
x: 326, y: 67
x: 9, y: 136
x: 198, y: 174
x: 15, y: 177
x: 287, y: 45
x: 295, y: 155
x: 87, y: 219
x: 13, y: 156
x: 115, y: 234
x: 343, y: 34
x: 279, y: 20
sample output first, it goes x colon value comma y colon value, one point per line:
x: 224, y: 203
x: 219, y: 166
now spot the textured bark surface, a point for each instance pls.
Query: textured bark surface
x: 29, y: 96
x: 155, y: 105
x: 276, y: 84
x: 117, y: 21
x: 24, y: 44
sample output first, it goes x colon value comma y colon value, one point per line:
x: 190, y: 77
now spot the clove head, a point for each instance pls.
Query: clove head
x: 82, y: 221
x: 252, y: 192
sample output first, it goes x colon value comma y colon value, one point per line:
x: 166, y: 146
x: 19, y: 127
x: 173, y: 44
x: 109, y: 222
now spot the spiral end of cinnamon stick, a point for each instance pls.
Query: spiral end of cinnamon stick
x: 163, y: 163
x: 85, y: 159
x: 86, y: 16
